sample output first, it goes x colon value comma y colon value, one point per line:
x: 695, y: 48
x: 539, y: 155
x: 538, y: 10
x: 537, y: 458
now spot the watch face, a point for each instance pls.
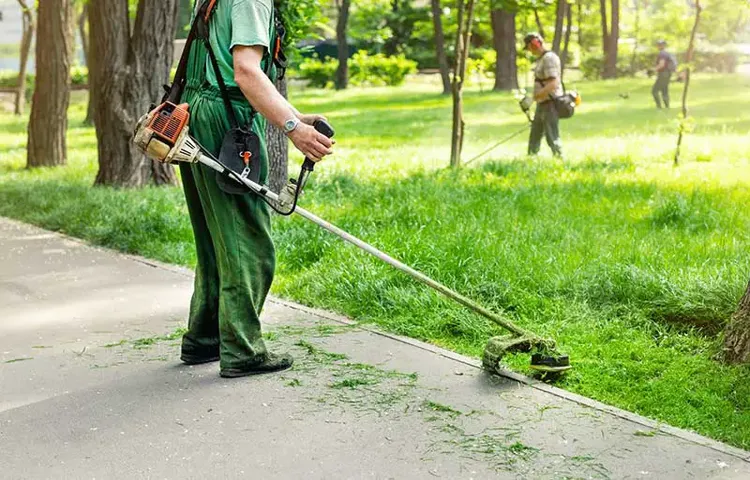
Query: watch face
x: 289, y: 125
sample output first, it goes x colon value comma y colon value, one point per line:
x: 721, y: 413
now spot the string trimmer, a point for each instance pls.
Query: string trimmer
x: 525, y: 102
x: 163, y: 135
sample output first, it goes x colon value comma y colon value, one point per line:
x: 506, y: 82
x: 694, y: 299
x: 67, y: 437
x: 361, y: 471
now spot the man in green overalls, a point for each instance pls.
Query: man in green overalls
x: 235, y: 253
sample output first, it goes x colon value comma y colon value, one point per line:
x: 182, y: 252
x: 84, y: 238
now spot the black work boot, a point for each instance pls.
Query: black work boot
x: 198, y: 356
x: 271, y: 363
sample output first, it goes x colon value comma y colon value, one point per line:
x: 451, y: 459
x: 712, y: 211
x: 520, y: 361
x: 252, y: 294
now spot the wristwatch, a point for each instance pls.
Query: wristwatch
x: 290, y: 125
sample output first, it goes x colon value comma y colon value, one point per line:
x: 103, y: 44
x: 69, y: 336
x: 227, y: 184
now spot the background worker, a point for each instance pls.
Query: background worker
x: 666, y: 64
x: 547, y: 85
x: 235, y: 253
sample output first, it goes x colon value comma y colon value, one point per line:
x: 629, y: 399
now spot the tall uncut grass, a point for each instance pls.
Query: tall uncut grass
x: 632, y: 265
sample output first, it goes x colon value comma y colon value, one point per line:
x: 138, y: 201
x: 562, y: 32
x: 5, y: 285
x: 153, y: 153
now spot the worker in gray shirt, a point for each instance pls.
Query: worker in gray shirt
x: 666, y: 64
x: 547, y: 86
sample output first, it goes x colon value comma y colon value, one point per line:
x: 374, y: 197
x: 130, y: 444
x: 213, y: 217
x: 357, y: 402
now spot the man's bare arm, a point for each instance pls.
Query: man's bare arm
x: 661, y: 65
x: 549, y: 87
x: 263, y: 96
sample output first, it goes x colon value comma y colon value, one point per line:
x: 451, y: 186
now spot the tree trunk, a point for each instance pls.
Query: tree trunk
x: 26, y: 38
x: 737, y: 335
x: 463, y: 41
x: 637, y: 33
x: 504, y: 41
x: 82, y: 20
x: 401, y: 24
x: 128, y: 73
x: 562, y: 6
x: 610, y: 38
x: 342, y: 71
x: 440, y: 47
x: 614, y: 38
x: 278, y: 149
x: 568, y: 30
x: 49, y: 106
x: 688, y: 59
x: 539, y: 25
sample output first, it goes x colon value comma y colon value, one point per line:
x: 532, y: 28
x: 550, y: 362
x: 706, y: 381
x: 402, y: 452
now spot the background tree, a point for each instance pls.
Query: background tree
x: 561, y: 10
x: 83, y: 20
x: 737, y: 335
x: 636, y: 36
x: 440, y: 46
x: 688, y: 59
x: 49, y: 106
x: 29, y: 26
x: 539, y: 25
x: 463, y: 41
x: 565, y: 57
x: 610, y: 37
x: 301, y: 18
x: 503, y: 19
x: 342, y: 70
x: 400, y: 23
x: 128, y: 73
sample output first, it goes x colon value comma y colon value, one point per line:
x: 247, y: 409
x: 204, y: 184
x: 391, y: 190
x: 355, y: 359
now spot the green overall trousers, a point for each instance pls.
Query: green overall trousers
x: 235, y: 253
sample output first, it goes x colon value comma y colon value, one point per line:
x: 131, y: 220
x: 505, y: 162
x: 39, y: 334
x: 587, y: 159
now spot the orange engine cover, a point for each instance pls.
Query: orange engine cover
x: 169, y: 120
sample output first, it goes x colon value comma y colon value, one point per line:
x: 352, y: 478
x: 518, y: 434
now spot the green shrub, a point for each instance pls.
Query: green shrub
x: 318, y: 73
x: 379, y: 70
x: 482, y: 61
x: 364, y: 69
x: 79, y: 76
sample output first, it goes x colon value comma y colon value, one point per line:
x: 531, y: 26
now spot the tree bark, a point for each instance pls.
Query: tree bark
x: 504, y: 41
x: 463, y: 41
x: 82, y: 21
x: 568, y: 30
x: 278, y: 149
x: 440, y: 47
x: 128, y: 72
x: 342, y: 71
x: 688, y: 59
x: 26, y: 38
x: 737, y: 335
x: 49, y: 106
x: 610, y: 38
x: 559, y: 21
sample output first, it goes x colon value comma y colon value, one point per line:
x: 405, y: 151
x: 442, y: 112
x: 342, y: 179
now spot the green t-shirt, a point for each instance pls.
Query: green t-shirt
x: 233, y: 23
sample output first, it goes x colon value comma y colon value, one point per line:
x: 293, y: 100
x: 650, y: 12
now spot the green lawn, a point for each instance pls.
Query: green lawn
x: 632, y: 265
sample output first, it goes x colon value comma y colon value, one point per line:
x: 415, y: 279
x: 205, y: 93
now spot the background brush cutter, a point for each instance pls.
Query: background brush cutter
x: 162, y: 134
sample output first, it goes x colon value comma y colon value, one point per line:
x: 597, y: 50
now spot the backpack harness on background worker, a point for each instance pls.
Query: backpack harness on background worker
x: 566, y: 103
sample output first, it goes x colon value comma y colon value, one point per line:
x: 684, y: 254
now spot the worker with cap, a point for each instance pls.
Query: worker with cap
x: 666, y: 64
x: 234, y: 250
x: 547, y: 86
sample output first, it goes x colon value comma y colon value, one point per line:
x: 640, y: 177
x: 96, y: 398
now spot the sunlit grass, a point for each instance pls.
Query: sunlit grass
x: 631, y: 264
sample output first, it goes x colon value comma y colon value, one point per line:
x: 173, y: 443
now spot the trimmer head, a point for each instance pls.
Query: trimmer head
x: 544, y: 359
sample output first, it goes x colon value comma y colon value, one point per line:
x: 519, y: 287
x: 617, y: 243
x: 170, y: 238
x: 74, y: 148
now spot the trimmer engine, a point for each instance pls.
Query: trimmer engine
x: 162, y: 134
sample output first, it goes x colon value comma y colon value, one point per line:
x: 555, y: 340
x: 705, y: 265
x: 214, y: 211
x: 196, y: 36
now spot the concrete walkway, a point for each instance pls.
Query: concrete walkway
x: 91, y: 387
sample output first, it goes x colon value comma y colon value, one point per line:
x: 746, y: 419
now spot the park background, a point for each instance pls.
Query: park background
x: 636, y: 263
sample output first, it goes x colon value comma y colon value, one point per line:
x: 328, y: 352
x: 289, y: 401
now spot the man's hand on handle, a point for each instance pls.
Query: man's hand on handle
x: 313, y: 144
